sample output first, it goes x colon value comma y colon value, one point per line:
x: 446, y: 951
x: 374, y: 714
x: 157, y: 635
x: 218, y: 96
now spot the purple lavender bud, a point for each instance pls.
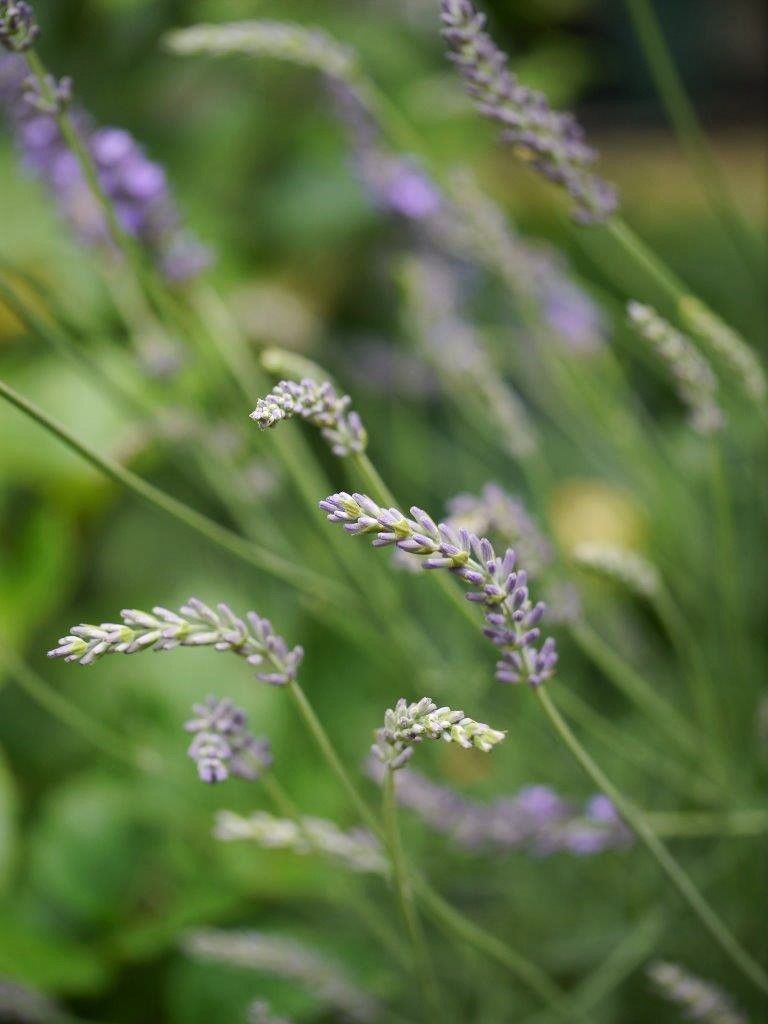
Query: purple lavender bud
x: 550, y: 141
x: 223, y: 746
x: 18, y: 26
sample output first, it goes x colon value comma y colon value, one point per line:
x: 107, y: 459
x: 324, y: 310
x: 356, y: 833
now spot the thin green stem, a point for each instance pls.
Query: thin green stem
x: 422, y: 969
x: 683, y: 116
x: 674, y: 872
x: 688, y: 782
x: 525, y: 970
x: 728, y: 576
x: 644, y: 258
x: 635, y: 688
x: 88, y: 728
x: 617, y: 966
x: 702, y: 686
x: 300, y: 577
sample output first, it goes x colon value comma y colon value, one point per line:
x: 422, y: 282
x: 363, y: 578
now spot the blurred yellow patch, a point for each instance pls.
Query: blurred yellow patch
x: 10, y: 325
x: 592, y: 510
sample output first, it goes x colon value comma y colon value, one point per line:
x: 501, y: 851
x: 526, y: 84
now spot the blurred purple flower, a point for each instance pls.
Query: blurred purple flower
x: 535, y: 820
x: 136, y: 186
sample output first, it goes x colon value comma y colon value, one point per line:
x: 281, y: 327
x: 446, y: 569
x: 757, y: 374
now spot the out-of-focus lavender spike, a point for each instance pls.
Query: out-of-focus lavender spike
x: 551, y: 142
x: 503, y: 516
x: 694, y: 379
x: 535, y: 820
x: 511, y: 618
x: 408, y: 724
x: 135, y: 185
x: 627, y: 567
x: 284, y: 958
x: 699, y: 1000
x: 223, y: 746
x: 472, y: 226
x: 196, y: 625
x: 395, y: 182
x: 318, y: 404
x: 260, y: 1013
x: 459, y: 354
x: 358, y: 850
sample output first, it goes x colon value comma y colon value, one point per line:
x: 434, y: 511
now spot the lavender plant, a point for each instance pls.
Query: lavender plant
x: 512, y: 620
x: 406, y: 725
x: 111, y: 193
x: 552, y: 142
x: 222, y: 745
x: 136, y: 187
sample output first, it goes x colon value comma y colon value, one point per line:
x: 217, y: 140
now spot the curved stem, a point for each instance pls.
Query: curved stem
x: 683, y: 116
x: 637, y: 821
x: 531, y: 975
x: 303, y: 579
x: 423, y: 970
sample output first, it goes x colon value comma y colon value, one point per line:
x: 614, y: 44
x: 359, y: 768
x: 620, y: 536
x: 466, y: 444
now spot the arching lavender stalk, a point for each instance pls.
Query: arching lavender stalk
x: 512, y: 620
x: 194, y: 625
x: 551, y: 142
x: 222, y: 744
x: 695, y: 381
x: 136, y: 186
x: 318, y: 404
x: 698, y: 999
x: 408, y: 724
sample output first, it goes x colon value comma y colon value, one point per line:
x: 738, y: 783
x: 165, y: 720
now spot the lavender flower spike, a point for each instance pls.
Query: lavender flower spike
x: 408, y: 724
x: 694, y: 378
x: 319, y: 405
x: 136, y: 187
x: 223, y: 746
x: 698, y: 999
x: 552, y: 142
x: 18, y: 26
x: 194, y: 625
x: 358, y: 850
x: 512, y: 620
